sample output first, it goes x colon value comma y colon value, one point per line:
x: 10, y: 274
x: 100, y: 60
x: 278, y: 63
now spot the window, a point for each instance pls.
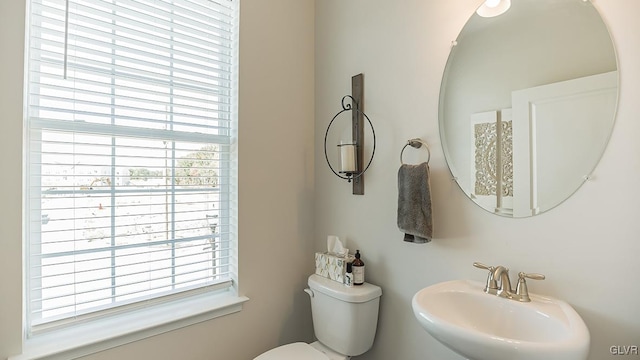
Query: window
x: 129, y: 184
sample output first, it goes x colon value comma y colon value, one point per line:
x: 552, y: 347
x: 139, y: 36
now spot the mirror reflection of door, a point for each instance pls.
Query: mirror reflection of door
x: 553, y: 122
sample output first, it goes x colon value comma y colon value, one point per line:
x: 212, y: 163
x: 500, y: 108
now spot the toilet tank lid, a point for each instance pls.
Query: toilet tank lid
x: 355, y: 294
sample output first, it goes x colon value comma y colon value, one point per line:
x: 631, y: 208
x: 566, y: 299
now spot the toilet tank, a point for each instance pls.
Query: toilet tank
x: 345, y: 319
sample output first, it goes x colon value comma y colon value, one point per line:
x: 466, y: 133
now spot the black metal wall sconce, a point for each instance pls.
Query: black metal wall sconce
x: 351, y: 151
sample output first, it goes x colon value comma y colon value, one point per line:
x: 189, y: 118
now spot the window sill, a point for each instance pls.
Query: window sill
x: 91, y: 337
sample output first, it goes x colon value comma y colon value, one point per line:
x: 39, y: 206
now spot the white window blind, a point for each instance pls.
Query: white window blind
x: 129, y: 186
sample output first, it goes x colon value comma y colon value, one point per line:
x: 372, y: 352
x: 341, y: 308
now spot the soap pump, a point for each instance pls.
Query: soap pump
x: 358, y: 269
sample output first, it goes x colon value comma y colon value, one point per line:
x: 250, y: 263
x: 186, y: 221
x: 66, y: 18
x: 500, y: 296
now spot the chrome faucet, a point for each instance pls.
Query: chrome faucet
x: 499, y: 283
x: 502, y: 275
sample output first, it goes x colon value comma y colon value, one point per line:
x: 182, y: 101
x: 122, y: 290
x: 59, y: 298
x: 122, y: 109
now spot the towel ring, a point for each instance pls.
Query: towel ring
x: 415, y: 143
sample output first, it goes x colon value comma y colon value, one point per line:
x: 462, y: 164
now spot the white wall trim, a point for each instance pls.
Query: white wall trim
x: 95, y: 336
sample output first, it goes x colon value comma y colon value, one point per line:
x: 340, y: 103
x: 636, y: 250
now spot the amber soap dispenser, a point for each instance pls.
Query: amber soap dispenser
x: 358, y: 269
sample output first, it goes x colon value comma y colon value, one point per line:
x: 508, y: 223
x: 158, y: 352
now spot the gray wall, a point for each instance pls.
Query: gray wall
x: 588, y: 246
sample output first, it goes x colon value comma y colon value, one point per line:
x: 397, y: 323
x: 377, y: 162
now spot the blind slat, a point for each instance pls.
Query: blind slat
x: 132, y: 55
x: 181, y: 101
x: 182, y: 46
x: 80, y: 283
x: 142, y: 12
x: 220, y: 246
x: 146, y: 148
x: 127, y: 17
x: 121, y: 108
x: 97, y: 88
x: 126, y: 131
x: 124, y: 294
x: 90, y: 67
x: 121, y: 276
x: 78, y: 243
x: 52, y: 80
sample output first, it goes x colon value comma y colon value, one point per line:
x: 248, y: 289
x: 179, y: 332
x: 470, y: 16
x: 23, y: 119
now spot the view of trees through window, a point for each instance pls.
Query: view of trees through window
x: 197, y: 168
x: 115, y: 232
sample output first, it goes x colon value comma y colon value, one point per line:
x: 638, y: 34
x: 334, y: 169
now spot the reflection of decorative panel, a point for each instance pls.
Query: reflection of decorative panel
x: 492, y: 160
x: 485, y: 158
x: 507, y: 157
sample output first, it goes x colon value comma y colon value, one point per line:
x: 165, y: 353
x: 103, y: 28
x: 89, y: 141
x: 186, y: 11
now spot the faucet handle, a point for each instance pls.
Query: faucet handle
x: 492, y: 285
x: 533, y: 276
x: 521, y: 289
x: 483, y: 266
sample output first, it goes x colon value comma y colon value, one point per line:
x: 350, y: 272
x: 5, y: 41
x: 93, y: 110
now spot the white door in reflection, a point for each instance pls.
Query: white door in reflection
x: 551, y: 124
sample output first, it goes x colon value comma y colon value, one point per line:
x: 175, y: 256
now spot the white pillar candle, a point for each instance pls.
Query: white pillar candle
x: 347, y: 157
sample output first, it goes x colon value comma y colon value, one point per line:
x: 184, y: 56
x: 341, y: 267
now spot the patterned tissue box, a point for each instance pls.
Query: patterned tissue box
x: 331, y: 266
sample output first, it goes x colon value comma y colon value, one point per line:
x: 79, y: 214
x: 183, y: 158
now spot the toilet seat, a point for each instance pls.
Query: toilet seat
x: 294, y: 351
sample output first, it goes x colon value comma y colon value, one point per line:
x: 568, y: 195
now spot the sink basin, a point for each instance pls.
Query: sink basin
x: 481, y: 326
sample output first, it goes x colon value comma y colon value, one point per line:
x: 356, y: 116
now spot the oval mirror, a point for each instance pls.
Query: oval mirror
x: 527, y: 104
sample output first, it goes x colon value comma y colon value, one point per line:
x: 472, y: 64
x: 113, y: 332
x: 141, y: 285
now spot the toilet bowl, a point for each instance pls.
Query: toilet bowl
x: 302, y: 351
x: 345, y: 320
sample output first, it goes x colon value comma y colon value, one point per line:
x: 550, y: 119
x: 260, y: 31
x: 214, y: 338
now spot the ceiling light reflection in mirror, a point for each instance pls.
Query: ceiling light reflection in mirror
x: 491, y: 8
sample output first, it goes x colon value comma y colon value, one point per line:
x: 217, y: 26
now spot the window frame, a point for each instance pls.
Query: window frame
x: 151, y: 317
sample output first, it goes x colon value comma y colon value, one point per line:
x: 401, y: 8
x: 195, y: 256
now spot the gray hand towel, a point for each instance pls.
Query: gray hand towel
x: 414, y: 203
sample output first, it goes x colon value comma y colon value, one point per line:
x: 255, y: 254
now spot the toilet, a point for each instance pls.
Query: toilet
x: 345, y: 320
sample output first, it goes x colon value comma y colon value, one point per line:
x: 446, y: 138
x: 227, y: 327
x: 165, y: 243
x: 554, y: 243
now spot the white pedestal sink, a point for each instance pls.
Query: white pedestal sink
x: 481, y: 326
